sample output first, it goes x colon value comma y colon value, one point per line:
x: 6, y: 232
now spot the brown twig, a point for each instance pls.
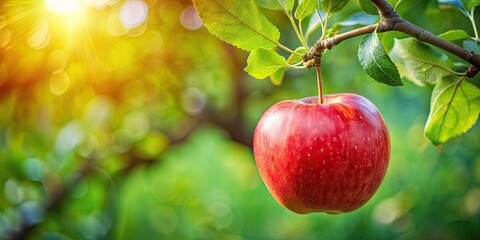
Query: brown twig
x: 391, y: 21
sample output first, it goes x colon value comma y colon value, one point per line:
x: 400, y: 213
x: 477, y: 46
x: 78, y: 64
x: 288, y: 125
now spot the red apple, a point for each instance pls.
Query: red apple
x: 328, y: 157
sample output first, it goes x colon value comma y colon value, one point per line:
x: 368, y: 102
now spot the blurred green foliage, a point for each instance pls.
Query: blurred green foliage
x: 139, y: 127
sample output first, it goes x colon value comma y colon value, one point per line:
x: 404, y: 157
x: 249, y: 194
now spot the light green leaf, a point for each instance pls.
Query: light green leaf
x: 285, y: 5
x: 305, y: 8
x: 333, y: 5
x: 454, y: 35
x: 376, y: 62
x: 419, y: 62
x: 270, y: 4
x: 454, y: 109
x: 473, y: 3
x: 277, y: 77
x: 294, y: 58
x: 288, y: 4
x: 261, y: 63
x: 368, y: 7
x: 240, y: 23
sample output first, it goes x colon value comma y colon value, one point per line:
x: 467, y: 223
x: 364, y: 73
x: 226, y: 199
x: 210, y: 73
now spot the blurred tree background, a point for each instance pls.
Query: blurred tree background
x: 127, y: 119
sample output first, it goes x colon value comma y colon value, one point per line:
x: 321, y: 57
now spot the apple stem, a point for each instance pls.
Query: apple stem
x: 319, y: 83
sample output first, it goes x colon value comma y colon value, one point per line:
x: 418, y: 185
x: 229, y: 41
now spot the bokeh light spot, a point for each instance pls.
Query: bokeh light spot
x: 93, y: 228
x: 40, y: 37
x: 13, y: 192
x: 155, y: 42
x: 98, y: 111
x: 32, y: 212
x: 164, y: 219
x: 137, y: 125
x: 5, y: 37
x: 472, y: 201
x: 69, y: 137
x: 133, y: 13
x: 59, y: 82
x: 222, y: 213
x: 193, y: 101
x: 387, y: 211
x: 190, y: 20
x: 57, y: 60
x: 34, y: 169
x: 114, y: 26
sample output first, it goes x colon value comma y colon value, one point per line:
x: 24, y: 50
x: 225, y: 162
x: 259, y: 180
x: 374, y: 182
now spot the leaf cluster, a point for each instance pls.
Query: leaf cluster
x: 455, y: 101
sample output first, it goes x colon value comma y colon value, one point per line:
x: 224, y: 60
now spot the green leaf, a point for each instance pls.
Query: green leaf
x: 454, y: 109
x: 358, y: 18
x: 263, y: 62
x: 314, y: 23
x: 305, y: 8
x: 419, y: 62
x: 277, y: 77
x: 270, y: 4
x: 456, y: 4
x: 333, y: 5
x: 376, y: 62
x: 454, y: 35
x: 473, y: 3
x: 294, y: 58
x: 240, y: 23
x: 472, y: 46
x: 368, y: 7
x: 284, y: 5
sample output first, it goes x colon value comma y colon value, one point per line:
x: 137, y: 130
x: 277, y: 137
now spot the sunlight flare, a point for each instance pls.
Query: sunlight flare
x: 64, y: 6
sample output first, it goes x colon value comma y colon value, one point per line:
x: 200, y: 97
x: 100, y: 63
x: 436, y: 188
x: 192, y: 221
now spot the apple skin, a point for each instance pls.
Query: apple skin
x: 329, y: 157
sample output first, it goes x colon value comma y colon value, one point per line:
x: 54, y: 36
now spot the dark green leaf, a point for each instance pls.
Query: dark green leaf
x: 419, y: 62
x: 376, y: 62
x: 239, y: 23
x: 333, y: 5
x: 264, y: 62
x: 454, y: 109
x: 456, y: 4
x: 368, y: 7
x: 472, y: 46
x: 454, y: 35
x: 305, y: 8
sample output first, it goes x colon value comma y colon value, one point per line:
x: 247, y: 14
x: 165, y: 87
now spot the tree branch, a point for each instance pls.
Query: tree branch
x: 391, y: 21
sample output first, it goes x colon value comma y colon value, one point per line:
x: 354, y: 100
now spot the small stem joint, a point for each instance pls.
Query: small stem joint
x: 312, y: 57
x: 472, y: 71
